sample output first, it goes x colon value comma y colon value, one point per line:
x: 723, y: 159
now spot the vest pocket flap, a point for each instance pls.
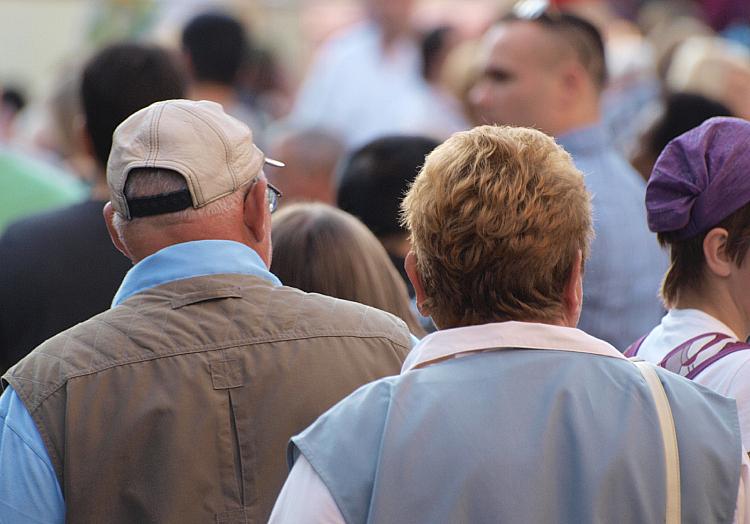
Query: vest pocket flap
x: 227, y: 374
x: 202, y: 296
x: 237, y: 516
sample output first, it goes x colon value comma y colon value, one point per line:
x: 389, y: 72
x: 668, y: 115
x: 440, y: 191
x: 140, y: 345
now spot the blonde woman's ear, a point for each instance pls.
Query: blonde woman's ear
x: 410, y: 264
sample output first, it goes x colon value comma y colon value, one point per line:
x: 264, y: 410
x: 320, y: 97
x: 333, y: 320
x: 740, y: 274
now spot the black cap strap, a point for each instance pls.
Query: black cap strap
x: 159, y: 204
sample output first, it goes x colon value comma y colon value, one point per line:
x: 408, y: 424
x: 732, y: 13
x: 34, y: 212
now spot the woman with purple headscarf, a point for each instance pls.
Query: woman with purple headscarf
x: 698, y: 203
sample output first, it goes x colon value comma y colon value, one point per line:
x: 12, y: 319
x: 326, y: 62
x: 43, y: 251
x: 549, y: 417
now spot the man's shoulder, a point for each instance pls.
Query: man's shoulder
x: 321, y: 313
x: 48, y: 366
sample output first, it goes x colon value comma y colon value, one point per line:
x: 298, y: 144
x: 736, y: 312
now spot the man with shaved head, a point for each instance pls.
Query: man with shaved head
x: 547, y: 70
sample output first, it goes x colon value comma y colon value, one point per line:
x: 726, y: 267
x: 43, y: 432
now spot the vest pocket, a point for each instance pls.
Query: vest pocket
x: 235, y: 516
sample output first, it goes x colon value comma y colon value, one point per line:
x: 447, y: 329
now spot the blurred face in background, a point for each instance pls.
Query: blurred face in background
x: 518, y: 78
x: 394, y: 16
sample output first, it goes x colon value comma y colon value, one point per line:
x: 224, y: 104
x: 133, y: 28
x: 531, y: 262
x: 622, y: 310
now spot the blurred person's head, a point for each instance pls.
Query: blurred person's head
x: 546, y: 72
x: 698, y: 204
x: 182, y: 171
x: 374, y: 179
x: 12, y: 98
x: 64, y: 133
x: 715, y: 68
x: 12, y: 102
x: 460, y: 73
x: 682, y: 112
x: 500, y: 223
x: 393, y: 16
x: 121, y: 79
x: 436, y: 44
x: 310, y: 158
x: 215, y: 45
x: 263, y: 82
x: 321, y: 249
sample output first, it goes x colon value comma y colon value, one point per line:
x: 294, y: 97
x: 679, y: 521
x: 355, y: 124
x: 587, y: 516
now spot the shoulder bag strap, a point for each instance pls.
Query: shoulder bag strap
x: 669, y: 439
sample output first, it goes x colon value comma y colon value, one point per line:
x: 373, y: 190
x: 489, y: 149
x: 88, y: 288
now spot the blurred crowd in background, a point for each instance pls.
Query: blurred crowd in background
x: 289, y: 71
x: 323, y: 85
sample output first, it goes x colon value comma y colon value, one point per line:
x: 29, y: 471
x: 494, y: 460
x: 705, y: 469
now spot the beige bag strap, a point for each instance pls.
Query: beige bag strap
x: 669, y: 439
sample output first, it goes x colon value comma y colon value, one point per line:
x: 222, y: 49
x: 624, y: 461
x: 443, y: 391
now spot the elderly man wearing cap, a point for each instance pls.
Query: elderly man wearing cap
x: 698, y: 202
x: 176, y: 404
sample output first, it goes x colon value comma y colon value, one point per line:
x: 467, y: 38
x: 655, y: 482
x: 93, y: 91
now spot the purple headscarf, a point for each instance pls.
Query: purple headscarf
x: 700, y: 178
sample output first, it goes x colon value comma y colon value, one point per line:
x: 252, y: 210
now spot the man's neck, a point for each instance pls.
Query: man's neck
x: 220, y: 93
x: 579, y: 120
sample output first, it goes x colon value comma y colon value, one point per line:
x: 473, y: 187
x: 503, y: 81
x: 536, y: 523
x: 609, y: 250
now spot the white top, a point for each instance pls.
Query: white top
x: 356, y: 90
x: 306, y: 499
x: 729, y: 376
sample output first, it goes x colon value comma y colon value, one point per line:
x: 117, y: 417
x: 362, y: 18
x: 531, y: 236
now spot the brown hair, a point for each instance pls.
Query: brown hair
x: 687, y: 261
x: 320, y: 249
x: 497, y: 216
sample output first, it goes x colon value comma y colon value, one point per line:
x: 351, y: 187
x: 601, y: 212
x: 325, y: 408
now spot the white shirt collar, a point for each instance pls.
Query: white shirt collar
x: 699, y: 319
x: 677, y: 326
x: 451, y: 343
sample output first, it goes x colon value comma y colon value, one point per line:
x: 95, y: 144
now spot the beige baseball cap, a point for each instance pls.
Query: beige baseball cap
x: 212, y: 150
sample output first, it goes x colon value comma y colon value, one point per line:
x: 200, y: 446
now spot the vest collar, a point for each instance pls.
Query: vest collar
x: 452, y: 343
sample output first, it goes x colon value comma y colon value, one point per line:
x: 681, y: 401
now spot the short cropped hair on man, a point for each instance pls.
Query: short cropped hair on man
x: 512, y: 257
x: 372, y: 182
x: 546, y: 70
x: 216, y: 45
x: 107, y: 102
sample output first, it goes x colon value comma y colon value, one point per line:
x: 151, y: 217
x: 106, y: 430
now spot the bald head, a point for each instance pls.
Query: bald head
x: 310, y: 156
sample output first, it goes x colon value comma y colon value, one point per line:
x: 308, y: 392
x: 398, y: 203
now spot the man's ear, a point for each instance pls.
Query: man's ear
x: 109, y: 214
x: 410, y: 264
x: 255, y: 213
x: 573, y: 292
x: 714, y: 251
x: 572, y: 79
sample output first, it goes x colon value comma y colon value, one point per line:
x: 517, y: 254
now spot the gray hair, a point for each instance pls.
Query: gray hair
x: 143, y: 182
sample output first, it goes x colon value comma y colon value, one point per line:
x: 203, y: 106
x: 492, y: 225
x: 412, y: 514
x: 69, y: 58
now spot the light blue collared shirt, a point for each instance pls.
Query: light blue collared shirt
x: 29, y: 491
x: 623, y: 275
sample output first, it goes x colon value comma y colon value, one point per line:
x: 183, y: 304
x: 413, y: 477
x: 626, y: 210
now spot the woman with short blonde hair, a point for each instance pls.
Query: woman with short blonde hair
x: 506, y: 254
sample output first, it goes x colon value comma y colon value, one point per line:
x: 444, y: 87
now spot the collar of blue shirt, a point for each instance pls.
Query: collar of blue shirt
x: 192, y: 259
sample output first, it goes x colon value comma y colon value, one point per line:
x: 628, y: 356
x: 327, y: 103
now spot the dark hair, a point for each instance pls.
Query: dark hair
x: 374, y: 179
x: 582, y: 35
x: 217, y: 45
x: 433, y: 44
x: 13, y: 97
x: 320, y: 249
x: 683, y: 112
x: 122, y: 79
x: 687, y: 261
